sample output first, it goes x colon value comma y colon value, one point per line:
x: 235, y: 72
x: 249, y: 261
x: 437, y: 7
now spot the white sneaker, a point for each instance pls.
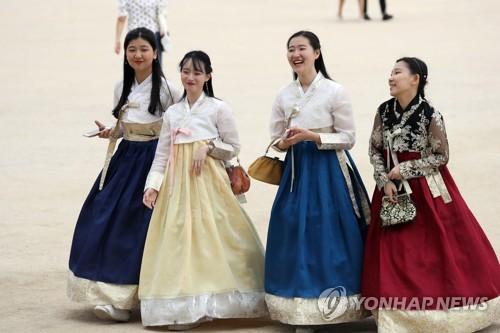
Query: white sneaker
x: 108, y: 312
x: 182, y: 327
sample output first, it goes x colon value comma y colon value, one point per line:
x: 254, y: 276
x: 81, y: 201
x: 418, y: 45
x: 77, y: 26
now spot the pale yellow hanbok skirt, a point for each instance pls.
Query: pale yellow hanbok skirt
x: 203, y: 257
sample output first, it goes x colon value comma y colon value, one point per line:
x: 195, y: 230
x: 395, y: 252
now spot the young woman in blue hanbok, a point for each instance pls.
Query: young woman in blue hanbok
x: 318, y: 220
x: 109, y: 237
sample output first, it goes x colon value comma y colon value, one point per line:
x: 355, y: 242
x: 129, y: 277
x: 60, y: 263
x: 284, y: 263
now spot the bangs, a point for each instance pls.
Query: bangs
x: 198, y: 64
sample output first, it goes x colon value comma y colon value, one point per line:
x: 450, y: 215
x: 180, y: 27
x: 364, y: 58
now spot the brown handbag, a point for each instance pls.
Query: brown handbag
x: 267, y: 169
x: 240, y: 182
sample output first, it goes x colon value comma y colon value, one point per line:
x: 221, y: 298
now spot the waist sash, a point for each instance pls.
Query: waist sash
x: 131, y: 132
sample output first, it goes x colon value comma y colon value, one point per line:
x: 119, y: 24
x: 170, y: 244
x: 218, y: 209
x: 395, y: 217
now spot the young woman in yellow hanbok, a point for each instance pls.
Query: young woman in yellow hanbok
x: 203, y: 258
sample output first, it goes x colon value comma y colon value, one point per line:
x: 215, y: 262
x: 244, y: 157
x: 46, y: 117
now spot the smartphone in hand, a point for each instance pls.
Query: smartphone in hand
x: 96, y: 132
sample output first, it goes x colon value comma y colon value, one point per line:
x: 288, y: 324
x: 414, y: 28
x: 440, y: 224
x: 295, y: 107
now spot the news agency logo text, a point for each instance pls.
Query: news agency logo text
x: 334, y: 302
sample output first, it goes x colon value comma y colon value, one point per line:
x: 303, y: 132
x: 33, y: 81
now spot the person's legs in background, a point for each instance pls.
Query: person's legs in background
x: 385, y: 16
x: 383, y: 7
x: 364, y: 11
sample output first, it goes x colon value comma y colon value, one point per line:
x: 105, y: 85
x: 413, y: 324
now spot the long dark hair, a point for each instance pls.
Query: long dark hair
x: 319, y: 64
x: 155, y: 106
x: 417, y: 66
x: 201, y: 62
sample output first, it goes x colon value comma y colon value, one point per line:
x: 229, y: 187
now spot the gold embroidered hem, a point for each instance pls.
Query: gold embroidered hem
x: 457, y: 320
x: 121, y: 296
x: 305, y: 311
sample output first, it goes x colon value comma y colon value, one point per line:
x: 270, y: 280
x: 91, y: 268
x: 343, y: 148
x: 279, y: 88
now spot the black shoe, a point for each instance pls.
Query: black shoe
x: 366, y: 17
x: 386, y: 17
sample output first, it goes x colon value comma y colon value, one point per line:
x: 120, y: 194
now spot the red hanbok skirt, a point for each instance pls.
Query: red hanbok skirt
x: 442, y: 253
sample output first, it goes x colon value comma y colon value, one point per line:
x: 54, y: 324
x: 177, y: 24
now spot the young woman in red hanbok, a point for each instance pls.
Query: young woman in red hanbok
x: 438, y: 273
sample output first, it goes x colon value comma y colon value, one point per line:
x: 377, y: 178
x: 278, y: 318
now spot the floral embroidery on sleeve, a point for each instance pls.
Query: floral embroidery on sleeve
x: 433, y: 146
x: 376, y: 153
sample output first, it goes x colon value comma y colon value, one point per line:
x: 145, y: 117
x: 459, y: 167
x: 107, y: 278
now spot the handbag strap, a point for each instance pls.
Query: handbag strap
x: 273, y: 141
x: 238, y: 160
x: 228, y: 164
x: 392, y: 154
x: 294, y: 113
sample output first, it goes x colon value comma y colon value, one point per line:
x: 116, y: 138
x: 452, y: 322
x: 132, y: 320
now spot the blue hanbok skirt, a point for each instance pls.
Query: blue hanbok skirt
x: 316, y: 239
x: 111, y: 230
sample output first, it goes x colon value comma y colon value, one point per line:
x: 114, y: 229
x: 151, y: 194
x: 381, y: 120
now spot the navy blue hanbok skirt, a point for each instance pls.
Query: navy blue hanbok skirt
x: 315, y: 239
x: 111, y: 230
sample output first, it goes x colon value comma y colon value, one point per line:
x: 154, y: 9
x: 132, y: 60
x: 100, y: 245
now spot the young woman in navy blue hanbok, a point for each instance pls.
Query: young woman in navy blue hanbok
x: 109, y: 237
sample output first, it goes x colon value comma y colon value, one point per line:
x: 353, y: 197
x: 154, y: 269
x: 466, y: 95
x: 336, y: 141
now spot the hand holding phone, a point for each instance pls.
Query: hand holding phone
x: 96, y: 132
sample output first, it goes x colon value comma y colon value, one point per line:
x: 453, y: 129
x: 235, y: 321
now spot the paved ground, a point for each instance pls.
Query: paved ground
x: 58, y: 69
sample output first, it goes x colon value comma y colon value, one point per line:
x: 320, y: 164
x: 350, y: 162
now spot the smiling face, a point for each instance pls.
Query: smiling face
x: 140, y: 55
x: 301, y: 55
x: 193, y: 77
x: 402, y: 81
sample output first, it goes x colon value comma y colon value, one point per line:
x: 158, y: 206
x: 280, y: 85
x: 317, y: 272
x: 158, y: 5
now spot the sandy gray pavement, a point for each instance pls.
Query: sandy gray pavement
x: 58, y: 70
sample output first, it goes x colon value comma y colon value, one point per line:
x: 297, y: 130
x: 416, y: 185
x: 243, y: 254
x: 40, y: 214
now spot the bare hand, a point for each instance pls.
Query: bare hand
x: 390, y: 190
x: 104, y: 134
x: 199, y: 159
x: 149, y: 198
x: 298, y: 134
x: 395, y: 173
x: 117, y: 47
